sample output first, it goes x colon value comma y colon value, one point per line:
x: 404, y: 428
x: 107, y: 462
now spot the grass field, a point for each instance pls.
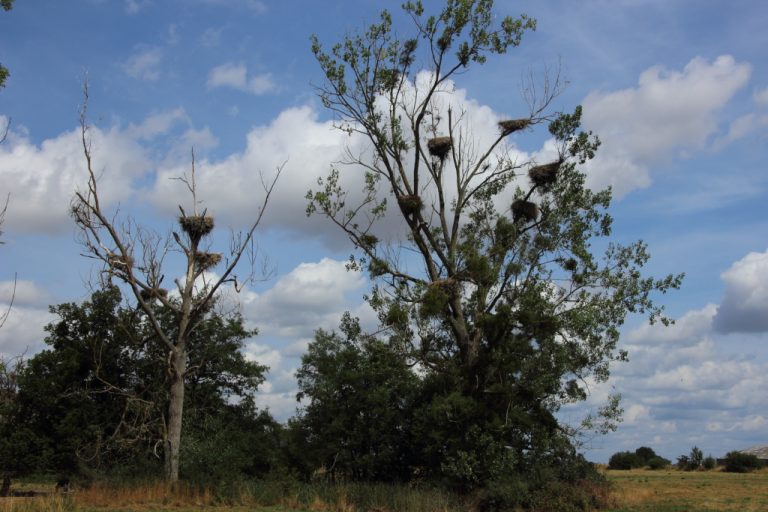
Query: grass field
x: 679, y: 491
x: 633, y: 491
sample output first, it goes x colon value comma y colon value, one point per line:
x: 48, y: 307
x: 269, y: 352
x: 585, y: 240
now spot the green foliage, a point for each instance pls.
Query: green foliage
x: 625, y: 460
x: 506, y: 316
x: 4, y: 73
x: 645, y: 454
x: 657, y: 463
x: 709, y: 463
x: 358, y: 394
x: 95, y: 400
x: 737, y: 462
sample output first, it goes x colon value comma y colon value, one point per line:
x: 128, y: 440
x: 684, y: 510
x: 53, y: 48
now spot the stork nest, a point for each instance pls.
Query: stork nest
x: 206, y: 260
x: 368, y: 241
x: 524, y: 210
x: 410, y: 204
x: 543, y: 175
x: 196, y: 226
x: 510, y: 126
x: 439, y: 146
x: 152, y: 293
x: 117, y: 262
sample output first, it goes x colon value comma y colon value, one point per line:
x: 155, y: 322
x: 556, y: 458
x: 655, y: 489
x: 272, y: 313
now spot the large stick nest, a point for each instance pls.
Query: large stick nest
x: 153, y: 293
x: 122, y: 263
x: 368, y: 241
x: 196, y: 226
x: 207, y: 260
x: 439, y: 146
x: 524, y: 210
x: 510, y: 126
x: 410, y: 204
x: 543, y: 175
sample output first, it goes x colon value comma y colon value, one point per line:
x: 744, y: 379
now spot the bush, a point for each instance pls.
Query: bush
x: 709, y: 463
x: 624, y: 460
x: 645, y: 454
x: 737, y: 462
x: 658, y: 463
x: 692, y: 461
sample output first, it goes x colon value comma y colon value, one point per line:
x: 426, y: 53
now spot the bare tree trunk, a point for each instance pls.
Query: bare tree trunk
x: 177, y: 369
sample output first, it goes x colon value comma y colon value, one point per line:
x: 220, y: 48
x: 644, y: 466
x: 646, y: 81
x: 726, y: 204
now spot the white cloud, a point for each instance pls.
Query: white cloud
x: 761, y: 97
x: 144, y: 64
x: 311, y: 296
x: 686, y: 330
x: 158, y: 124
x: 23, y: 293
x: 669, y: 111
x: 134, y: 6
x: 23, y: 331
x: 236, y: 77
x: 744, y: 307
x: 45, y: 176
x: 256, y: 6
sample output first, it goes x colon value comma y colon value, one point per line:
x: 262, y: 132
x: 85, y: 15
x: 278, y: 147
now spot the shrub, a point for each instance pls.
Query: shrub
x: 658, y: 463
x: 738, y: 462
x: 624, y: 460
x: 645, y: 454
x: 709, y: 463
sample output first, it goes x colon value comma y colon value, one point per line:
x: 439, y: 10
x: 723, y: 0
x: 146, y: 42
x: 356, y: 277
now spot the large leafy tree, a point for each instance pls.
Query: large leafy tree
x: 97, y: 398
x: 493, y: 287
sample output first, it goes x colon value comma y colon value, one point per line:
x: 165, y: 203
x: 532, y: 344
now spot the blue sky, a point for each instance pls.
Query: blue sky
x: 676, y: 89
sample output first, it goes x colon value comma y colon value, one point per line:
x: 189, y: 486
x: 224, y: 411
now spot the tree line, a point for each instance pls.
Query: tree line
x: 495, y: 309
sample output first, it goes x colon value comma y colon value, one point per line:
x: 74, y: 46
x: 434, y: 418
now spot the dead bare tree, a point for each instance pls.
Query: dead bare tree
x: 136, y: 255
x: 4, y: 315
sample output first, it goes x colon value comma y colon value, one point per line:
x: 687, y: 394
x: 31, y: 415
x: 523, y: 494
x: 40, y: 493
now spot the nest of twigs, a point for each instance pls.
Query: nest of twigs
x: 206, y: 260
x: 410, y: 204
x: 368, y: 241
x: 196, y: 226
x: 118, y: 262
x: 524, y: 210
x: 439, y: 147
x: 153, y: 293
x: 543, y: 175
x: 510, y: 126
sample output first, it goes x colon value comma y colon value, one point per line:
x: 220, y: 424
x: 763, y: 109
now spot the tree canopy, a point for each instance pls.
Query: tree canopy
x: 493, y: 287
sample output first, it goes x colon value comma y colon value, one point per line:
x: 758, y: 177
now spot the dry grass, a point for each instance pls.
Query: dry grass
x: 672, y: 490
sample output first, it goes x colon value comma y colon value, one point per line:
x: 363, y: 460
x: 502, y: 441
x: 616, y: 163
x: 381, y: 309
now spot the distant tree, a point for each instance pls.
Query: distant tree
x: 136, y: 256
x: 645, y: 454
x: 658, y: 462
x: 359, y: 396
x: 738, y: 462
x: 695, y: 458
x: 625, y: 460
x: 491, y: 287
x: 709, y: 463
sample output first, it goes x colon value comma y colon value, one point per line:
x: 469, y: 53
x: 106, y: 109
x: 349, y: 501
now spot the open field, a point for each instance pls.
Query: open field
x: 699, y: 491
x: 634, y: 491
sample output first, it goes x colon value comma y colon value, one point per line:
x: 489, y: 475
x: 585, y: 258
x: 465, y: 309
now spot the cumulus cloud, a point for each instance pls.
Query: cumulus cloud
x: 47, y: 175
x: 23, y: 293
x: 669, y: 111
x: 686, y: 330
x: 144, y: 64
x: 235, y: 76
x: 744, y: 307
x: 22, y: 332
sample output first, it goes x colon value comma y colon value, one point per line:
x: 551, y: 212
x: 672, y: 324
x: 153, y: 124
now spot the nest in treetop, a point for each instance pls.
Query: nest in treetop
x: 118, y: 262
x: 410, y: 204
x: 525, y: 210
x: 151, y: 293
x: 439, y: 146
x: 368, y: 241
x: 206, y: 260
x: 196, y: 226
x: 544, y: 175
x: 513, y: 125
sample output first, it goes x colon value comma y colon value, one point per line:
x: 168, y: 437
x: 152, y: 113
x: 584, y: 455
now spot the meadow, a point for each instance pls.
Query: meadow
x: 633, y: 491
